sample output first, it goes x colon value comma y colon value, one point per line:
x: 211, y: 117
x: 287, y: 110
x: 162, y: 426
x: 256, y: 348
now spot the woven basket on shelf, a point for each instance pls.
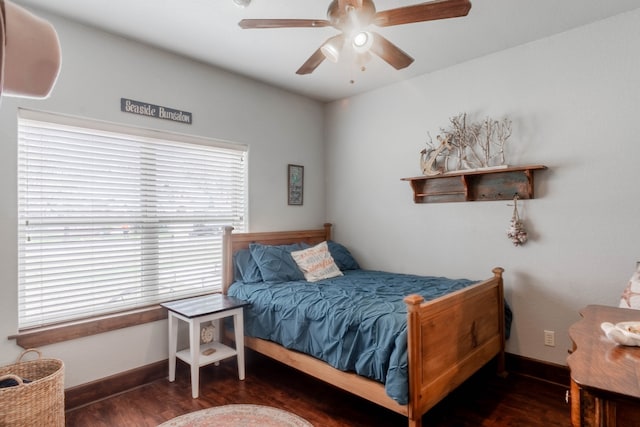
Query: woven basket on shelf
x: 39, y: 402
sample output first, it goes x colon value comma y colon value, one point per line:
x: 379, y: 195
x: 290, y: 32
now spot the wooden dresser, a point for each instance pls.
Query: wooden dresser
x: 605, y: 377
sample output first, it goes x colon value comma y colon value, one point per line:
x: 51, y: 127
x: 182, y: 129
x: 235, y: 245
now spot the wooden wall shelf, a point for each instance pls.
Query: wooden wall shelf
x: 475, y: 185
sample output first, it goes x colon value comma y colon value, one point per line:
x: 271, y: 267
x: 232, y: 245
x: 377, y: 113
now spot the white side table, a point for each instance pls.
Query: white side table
x: 198, y: 310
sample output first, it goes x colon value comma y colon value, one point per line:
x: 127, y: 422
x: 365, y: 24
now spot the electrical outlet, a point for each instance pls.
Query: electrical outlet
x: 550, y: 338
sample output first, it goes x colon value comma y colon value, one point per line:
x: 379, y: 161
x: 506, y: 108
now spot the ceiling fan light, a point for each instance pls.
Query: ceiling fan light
x: 331, y: 49
x: 362, y: 41
x: 242, y: 3
x: 330, y: 52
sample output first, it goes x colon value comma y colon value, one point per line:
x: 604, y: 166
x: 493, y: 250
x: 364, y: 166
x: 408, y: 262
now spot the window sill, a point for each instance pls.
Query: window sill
x: 38, y: 337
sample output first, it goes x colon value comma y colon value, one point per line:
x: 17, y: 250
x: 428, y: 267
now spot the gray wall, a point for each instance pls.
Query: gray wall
x: 97, y: 70
x: 574, y: 100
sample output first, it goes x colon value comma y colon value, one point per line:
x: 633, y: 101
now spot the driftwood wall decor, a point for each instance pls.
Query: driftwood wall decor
x: 466, y: 145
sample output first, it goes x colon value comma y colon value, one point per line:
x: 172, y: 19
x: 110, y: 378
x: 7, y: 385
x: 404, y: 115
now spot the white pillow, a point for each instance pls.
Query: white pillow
x: 316, y: 263
x: 631, y: 294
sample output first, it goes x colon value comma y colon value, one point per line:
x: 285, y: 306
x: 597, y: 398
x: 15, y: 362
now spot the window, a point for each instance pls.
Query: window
x: 113, y: 218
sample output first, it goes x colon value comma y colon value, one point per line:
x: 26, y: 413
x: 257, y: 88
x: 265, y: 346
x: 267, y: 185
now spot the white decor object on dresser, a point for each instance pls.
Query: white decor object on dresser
x: 631, y: 295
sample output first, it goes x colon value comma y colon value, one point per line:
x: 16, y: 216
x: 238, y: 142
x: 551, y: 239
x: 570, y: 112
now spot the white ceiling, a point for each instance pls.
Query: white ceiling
x: 207, y: 30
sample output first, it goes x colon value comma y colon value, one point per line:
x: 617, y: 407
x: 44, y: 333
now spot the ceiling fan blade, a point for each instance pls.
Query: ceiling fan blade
x: 429, y: 11
x: 311, y: 63
x: 282, y: 23
x: 391, y: 53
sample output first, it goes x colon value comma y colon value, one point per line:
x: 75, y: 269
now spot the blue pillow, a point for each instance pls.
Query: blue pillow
x: 246, y: 268
x: 341, y: 255
x: 275, y: 262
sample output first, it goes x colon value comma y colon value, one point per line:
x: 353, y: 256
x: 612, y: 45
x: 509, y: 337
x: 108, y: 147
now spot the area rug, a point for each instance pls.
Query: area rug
x: 238, y: 416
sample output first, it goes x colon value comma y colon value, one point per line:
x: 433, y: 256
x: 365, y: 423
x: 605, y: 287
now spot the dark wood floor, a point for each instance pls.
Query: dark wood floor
x: 484, y: 400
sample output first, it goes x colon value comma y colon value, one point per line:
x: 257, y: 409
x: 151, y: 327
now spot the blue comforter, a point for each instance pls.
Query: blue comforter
x: 356, y: 322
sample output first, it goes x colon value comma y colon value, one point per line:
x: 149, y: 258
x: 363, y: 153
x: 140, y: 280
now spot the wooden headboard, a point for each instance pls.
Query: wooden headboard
x: 232, y: 242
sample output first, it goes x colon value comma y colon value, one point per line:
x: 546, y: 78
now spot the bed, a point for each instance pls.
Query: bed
x: 448, y: 338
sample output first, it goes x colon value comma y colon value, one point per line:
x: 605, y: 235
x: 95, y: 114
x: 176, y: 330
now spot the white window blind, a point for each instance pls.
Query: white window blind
x: 110, y: 220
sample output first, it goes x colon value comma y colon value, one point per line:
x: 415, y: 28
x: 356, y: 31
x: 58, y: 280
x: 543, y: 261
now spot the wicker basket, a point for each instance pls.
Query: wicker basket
x: 39, y: 402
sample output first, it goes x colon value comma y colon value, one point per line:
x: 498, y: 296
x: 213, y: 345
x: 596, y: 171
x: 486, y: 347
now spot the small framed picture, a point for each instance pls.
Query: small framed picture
x: 295, y: 184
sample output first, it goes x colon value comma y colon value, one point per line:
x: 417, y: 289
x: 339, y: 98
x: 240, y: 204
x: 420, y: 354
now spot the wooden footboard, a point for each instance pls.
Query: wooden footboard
x: 449, y: 338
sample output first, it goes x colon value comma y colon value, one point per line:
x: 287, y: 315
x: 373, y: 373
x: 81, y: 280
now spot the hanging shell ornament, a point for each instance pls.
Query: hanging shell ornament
x: 516, y: 232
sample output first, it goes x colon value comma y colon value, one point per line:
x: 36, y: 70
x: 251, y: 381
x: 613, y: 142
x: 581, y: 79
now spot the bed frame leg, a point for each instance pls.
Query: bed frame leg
x: 415, y: 422
x: 502, y: 365
x: 501, y: 369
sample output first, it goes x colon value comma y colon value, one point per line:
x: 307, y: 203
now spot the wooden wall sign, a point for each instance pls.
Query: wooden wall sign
x: 157, y: 111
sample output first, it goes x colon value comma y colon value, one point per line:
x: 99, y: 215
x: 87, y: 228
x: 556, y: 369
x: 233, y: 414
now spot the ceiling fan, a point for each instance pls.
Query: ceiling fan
x: 352, y: 17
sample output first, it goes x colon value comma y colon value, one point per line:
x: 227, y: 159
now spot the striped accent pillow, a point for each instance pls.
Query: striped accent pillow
x: 316, y: 263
